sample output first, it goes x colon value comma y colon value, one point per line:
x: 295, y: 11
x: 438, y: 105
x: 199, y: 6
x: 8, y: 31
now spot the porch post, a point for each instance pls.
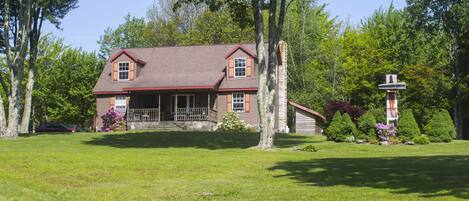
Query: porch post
x: 176, y: 108
x: 208, y: 98
x: 159, y: 107
x: 208, y: 106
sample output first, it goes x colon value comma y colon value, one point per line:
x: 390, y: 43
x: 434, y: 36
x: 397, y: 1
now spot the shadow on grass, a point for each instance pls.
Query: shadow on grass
x: 207, y: 140
x: 430, y: 176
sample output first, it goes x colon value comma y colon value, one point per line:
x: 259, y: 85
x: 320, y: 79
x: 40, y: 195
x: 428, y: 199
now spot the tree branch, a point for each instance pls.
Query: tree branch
x: 6, y: 28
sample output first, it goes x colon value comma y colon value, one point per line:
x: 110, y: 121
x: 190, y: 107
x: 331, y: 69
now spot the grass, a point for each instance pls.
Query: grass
x: 216, y: 166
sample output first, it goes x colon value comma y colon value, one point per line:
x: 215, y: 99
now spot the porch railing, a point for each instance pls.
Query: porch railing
x: 195, y: 114
x: 143, y: 115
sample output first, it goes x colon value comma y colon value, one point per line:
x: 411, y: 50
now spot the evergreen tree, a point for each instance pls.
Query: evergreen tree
x: 408, y: 128
x: 335, y: 127
x: 449, y: 123
x: 437, y: 129
x: 349, y: 129
x: 367, y: 126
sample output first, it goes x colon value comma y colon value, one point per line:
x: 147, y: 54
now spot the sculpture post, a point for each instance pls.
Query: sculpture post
x: 392, y: 86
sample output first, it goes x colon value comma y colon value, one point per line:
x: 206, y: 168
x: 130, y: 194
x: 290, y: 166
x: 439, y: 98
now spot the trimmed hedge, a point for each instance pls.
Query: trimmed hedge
x: 408, y: 128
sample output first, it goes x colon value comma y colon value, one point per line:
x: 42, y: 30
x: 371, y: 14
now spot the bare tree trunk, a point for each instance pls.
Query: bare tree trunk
x: 261, y: 61
x: 15, y: 60
x: 2, y: 118
x: 457, y: 114
x: 267, y: 74
x: 28, y: 95
x: 33, y: 45
x: 16, y: 75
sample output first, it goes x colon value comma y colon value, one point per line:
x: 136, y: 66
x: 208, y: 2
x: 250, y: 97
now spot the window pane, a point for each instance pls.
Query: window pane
x: 124, y: 71
x: 120, y: 104
x: 240, y: 67
x: 238, y: 102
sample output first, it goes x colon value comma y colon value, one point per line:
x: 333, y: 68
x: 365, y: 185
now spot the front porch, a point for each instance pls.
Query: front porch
x: 178, y: 111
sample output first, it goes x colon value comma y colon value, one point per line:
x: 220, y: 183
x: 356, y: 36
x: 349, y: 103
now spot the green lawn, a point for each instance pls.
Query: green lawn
x: 215, y: 166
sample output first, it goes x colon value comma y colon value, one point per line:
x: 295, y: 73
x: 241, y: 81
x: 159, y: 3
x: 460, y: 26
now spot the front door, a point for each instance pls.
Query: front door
x: 186, y: 101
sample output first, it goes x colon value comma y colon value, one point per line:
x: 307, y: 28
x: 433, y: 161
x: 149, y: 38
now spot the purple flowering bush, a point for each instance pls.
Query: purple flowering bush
x: 113, y: 121
x: 385, y: 132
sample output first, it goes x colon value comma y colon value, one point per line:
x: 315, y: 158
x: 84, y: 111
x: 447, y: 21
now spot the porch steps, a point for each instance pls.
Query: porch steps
x: 169, y: 126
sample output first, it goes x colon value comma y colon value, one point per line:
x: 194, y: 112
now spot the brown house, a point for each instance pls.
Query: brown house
x: 186, y: 87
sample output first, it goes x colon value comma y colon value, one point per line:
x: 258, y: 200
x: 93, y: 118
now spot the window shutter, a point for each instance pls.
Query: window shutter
x: 249, y: 62
x: 247, y: 104
x: 231, y: 68
x: 229, y: 103
x: 132, y: 71
x: 112, y: 101
x: 114, y: 72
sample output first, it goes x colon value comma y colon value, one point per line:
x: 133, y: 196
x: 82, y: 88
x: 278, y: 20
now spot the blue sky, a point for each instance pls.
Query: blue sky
x: 83, y: 26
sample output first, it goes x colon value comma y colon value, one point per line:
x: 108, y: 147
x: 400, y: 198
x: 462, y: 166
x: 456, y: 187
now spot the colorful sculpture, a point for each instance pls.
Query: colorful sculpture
x: 392, y: 86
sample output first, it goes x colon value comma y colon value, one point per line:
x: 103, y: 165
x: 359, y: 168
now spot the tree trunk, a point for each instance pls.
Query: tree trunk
x: 26, y: 118
x: 34, y: 39
x: 14, y: 101
x: 457, y: 114
x: 458, y: 120
x: 2, y: 118
x: 267, y: 74
x: 15, y: 57
x: 266, y: 136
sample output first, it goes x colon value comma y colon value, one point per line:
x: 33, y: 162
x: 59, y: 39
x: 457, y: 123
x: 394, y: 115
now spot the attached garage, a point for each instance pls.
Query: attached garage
x: 306, y: 120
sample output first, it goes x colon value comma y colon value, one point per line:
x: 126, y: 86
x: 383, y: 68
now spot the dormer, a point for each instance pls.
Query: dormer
x: 125, y: 65
x: 239, y: 63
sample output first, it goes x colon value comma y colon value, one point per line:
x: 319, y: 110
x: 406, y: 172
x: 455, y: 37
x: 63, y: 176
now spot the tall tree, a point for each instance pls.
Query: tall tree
x: 52, y: 11
x: 126, y: 35
x: 452, y: 18
x: 16, y: 29
x: 276, y: 10
x: 64, y: 84
x: 314, y: 69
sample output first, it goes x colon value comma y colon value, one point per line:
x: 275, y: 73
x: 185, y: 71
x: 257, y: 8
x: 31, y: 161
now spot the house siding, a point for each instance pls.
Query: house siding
x: 102, y: 106
x: 251, y: 117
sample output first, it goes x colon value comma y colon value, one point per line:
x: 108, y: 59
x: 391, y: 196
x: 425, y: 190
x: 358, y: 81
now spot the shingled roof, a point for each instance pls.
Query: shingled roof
x: 169, y: 68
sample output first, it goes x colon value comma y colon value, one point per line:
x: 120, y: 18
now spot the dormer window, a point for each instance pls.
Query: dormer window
x: 240, y: 67
x: 123, y: 70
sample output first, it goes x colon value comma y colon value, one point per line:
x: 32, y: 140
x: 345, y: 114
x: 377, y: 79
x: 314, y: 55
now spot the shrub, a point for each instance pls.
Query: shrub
x: 367, y: 126
x: 231, y: 122
x: 349, y: 130
x: 335, y: 127
x: 408, y: 128
x: 449, y: 123
x: 438, y: 129
x: 113, y: 121
x: 421, y: 139
x: 309, y: 148
x: 333, y: 106
x: 379, y: 114
x: 385, y: 132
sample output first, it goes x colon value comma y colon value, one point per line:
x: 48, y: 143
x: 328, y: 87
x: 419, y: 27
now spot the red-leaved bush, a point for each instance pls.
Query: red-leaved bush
x: 344, y: 107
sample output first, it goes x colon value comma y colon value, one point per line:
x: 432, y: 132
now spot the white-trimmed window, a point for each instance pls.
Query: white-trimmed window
x: 120, y: 104
x: 240, y: 67
x: 238, y: 102
x: 123, y: 70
